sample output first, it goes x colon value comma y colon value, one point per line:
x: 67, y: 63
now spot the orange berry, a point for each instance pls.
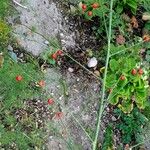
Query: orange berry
x: 84, y: 7
x: 95, y: 5
x: 90, y: 13
x: 50, y: 101
x: 140, y: 71
x: 58, y: 115
x: 133, y: 72
x: 122, y: 77
x: 59, y: 52
x: 19, y: 78
x: 146, y: 38
x: 41, y: 83
x: 54, y: 56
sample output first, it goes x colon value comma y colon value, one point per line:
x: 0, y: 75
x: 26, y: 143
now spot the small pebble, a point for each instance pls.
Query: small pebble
x: 78, y: 79
x: 10, y: 48
x: 97, y: 73
x: 72, y: 9
x: 70, y: 69
x: 107, y: 109
x: 113, y: 118
x: 146, y: 17
x: 61, y: 35
x: 46, y: 42
x: 92, y: 62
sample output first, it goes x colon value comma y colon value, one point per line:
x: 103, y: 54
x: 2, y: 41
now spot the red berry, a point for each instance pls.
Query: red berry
x: 95, y: 5
x: 122, y: 77
x: 59, y: 52
x: 140, y: 71
x: 84, y: 7
x: 50, y: 101
x: 90, y: 13
x: 58, y: 115
x: 133, y: 72
x: 19, y: 78
x: 146, y: 38
x: 54, y: 56
x: 41, y: 83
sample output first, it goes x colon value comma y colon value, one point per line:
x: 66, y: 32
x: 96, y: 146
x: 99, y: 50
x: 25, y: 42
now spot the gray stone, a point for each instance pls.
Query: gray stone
x: 113, y: 118
x: 42, y: 17
x: 46, y: 42
x: 10, y: 48
x: 70, y: 69
x: 92, y: 62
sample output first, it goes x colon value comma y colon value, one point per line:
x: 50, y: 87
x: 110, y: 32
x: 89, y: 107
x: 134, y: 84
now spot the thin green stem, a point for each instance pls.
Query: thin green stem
x: 139, y: 144
x: 83, y: 66
x: 59, y: 104
x: 105, y: 25
x: 104, y: 80
x: 82, y: 128
x: 64, y: 53
x: 125, y: 49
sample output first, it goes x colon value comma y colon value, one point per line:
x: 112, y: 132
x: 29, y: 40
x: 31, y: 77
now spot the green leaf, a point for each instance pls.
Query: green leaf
x: 133, y: 5
x: 124, y: 1
x: 52, y: 61
x: 114, y: 99
x: 141, y: 99
x: 126, y: 91
x: 122, y: 83
x: 147, y: 26
x: 119, y: 8
x: 148, y: 56
x: 126, y: 106
x: 114, y: 66
x: 111, y: 80
x: 100, y: 11
x: 129, y: 64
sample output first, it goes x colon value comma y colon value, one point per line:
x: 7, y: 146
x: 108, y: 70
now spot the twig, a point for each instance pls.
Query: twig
x: 104, y: 80
x: 83, y: 67
x: 139, y: 144
x: 125, y: 49
x: 58, y: 103
x: 17, y: 3
x: 65, y: 54
x: 82, y: 128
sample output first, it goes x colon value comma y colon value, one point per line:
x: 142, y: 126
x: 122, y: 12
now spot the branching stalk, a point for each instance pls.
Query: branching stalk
x: 125, y: 49
x: 68, y: 55
x: 87, y: 134
x: 104, y: 80
x: 143, y: 142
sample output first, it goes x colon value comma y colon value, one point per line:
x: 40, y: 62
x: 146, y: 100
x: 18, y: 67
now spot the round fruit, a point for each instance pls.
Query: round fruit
x: 140, y: 71
x: 19, y: 78
x: 84, y: 6
x: 95, y: 5
x: 146, y: 38
x: 50, y: 101
x: 90, y: 13
x: 122, y: 77
x: 54, y: 56
x: 58, y: 115
x: 41, y: 83
x: 133, y: 72
x: 59, y: 52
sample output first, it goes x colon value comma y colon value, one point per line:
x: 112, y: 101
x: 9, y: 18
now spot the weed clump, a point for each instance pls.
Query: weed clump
x: 4, y: 34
